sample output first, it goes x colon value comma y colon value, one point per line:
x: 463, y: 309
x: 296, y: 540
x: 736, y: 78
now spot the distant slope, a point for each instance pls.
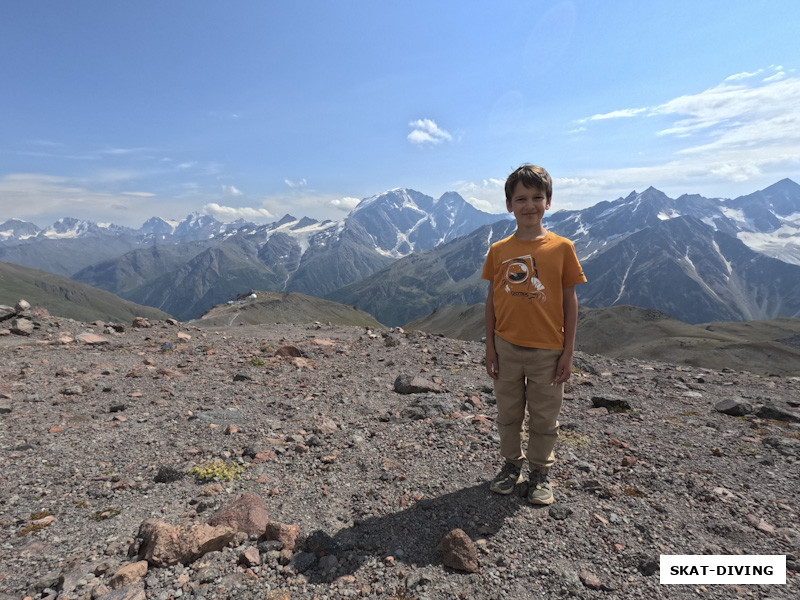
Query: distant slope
x: 766, y: 347
x: 67, y: 298
x: 284, y: 307
x: 460, y: 322
x: 415, y: 285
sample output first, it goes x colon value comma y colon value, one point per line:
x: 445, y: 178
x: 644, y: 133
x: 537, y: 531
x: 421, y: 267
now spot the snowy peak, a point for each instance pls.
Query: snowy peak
x: 403, y: 221
x: 157, y: 226
x: 18, y: 229
x: 69, y: 228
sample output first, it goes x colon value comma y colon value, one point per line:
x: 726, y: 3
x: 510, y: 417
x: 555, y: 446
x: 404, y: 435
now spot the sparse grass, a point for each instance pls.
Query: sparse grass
x: 34, y: 527
x: 573, y: 438
x: 107, y: 513
x: 219, y: 470
x: 634, y: 492
x: 257, y: 361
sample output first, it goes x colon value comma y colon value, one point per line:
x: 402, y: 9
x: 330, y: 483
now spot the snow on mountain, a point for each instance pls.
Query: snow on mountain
x: 17, y: 229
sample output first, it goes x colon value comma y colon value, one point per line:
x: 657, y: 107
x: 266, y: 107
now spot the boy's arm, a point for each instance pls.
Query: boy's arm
x: 492, y: 364
x: 564, y: 367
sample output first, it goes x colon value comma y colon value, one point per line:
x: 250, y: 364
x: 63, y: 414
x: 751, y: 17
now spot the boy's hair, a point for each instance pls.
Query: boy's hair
x: 530, y: 176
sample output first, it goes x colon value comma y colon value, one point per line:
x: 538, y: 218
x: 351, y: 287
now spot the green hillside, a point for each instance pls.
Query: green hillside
x: 284, y: 307
x: 765, y: 347
x: 64, y: 297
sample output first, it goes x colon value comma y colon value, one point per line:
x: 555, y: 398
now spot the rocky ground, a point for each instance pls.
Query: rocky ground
x: 351, y: 485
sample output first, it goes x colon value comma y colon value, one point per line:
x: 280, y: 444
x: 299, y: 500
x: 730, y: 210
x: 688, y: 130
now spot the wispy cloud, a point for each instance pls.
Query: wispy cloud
x: 615, y: 114
x: 230, y: 213
x: 743, y: 75
x: 425, y: 131
x: 295, y: 184
x: 742, y: 129
x: 231, y: 190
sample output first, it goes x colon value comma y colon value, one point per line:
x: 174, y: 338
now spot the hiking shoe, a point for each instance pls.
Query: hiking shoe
x: 539, y: 489
x: 509, y: 476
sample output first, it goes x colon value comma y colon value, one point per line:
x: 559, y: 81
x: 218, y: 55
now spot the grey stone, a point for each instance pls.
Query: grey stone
x: 303, y: 561
x: 612, y: 403
x: 777, y: 413
x: 409, y: 384
x: 736, y: 407
x: 21, y: 327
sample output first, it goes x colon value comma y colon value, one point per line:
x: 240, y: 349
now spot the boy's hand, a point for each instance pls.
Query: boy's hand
x: 492, y: 364
x: 563, y: 368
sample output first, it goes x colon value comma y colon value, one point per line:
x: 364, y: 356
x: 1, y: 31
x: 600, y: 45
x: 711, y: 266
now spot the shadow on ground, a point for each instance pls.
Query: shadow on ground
x: 411, y: 535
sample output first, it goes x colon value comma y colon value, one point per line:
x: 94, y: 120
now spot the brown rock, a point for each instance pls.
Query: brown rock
x: 92, y: 339
x: 160, y: 542
x: 278, y: 595
x: 140, y: 323
x: 247, y: 513
x: 286, y: 534
x: 590, y: 580
x: 129, y: 592
x: 459, y: 551
x: 325, y: 426
x: 128, y: 574
x: 288, y: 352
x: 202, y: 539
x: 164, y: 545
x: 250, y: 557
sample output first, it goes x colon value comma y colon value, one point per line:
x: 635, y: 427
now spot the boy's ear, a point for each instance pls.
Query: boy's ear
x: 508, y: 205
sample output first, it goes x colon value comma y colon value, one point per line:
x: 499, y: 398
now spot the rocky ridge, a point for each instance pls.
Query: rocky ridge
x: 169, y: 461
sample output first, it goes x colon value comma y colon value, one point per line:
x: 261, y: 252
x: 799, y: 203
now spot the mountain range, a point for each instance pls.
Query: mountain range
x: 401, y: 254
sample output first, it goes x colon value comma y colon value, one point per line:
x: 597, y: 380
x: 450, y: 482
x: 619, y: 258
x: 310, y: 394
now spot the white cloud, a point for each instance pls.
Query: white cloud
x: 139, y: 194
x: 32, y: 195
x: 425, y: 131
x: 231, y: 190
x: 344, y: 204
x: 487, y: 195
x: 229, y: 213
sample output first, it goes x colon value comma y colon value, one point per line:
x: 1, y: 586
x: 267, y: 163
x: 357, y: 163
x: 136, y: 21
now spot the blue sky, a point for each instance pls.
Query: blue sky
x: 118, y: 111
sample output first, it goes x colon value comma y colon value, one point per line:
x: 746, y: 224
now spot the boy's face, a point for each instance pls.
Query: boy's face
x: 528, y: 205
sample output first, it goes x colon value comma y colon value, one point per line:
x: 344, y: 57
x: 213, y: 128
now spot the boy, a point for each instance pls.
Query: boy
x: 531, y: 317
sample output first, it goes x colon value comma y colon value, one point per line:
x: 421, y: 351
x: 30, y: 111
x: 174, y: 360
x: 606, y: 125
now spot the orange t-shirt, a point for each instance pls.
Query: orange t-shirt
x: 528, y: 280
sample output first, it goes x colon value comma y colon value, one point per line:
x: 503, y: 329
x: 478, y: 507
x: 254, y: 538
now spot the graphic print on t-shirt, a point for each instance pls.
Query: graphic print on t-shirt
x: 521, y: 278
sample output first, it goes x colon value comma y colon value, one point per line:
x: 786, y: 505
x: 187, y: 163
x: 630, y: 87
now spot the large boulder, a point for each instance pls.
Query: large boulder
x: 247, y: 513
x: 164, y: 545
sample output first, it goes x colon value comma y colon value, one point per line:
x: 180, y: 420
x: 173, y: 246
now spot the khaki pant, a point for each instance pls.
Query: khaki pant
x: 524, y: 380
